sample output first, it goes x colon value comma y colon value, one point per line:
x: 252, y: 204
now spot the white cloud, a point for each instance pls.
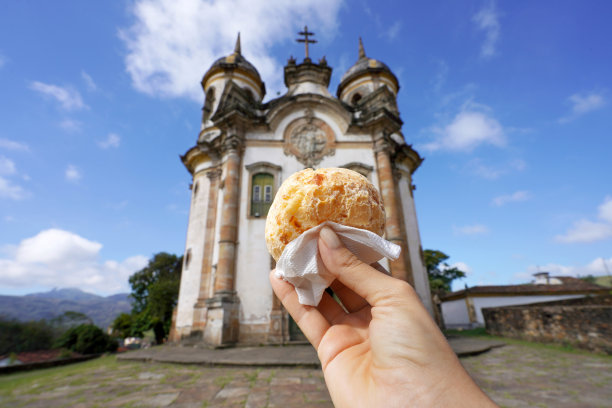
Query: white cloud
x: 462, y: 266
x: 55, y: 246
x: 392, y: 32
x: 591, y: 231
x: 479, y: 168
x: 112, y: 140
x: 10, y: 190
x: 487, y: 20
x: 586, y: 231
x: 583, y: 103
x: 7, y: 166
x: 469, y: 129
x: 511, y: 198
x: 59, y: 258
x: 172, y: 42
x: 475, y: 229
x: 69, y: 98
x: 12, y: 145
x: 596, y: 267
x: 73, y: 173
x: 440, y: 77
x: 70, y: 125
x: 89, y: 82
x: 605, y: 210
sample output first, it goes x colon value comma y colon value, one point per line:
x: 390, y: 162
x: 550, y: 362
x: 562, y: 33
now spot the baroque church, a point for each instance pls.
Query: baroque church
x: 246, y: 148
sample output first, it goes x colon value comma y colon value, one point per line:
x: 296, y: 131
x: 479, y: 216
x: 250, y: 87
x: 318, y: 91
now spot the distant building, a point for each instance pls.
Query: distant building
x: 244, y: 151
x: 463, y: 308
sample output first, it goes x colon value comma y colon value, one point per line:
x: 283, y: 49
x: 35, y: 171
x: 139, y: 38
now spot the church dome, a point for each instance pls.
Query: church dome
x: 235, y: 63
x: 364, y: 76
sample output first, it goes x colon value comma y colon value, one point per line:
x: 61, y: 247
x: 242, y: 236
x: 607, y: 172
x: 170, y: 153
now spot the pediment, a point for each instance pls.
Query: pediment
x: 235, y: 100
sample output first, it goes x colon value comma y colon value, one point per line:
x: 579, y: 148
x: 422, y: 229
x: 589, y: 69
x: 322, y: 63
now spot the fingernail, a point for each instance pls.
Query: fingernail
x: 330, y: 238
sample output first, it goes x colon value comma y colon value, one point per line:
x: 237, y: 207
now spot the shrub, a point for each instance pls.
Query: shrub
x: 86, y: 339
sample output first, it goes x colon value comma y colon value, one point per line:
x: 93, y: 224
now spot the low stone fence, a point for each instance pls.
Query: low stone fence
x: 583, y: 322
x: 46, y: 364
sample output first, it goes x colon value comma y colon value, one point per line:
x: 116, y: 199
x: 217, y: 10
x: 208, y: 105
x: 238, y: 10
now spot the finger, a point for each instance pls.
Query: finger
x: 362, y: 279
x: 308, y: 318
x: 351, y: 301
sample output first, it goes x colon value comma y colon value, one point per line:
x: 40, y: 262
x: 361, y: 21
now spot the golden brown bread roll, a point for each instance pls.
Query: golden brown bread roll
x: 310, y: 197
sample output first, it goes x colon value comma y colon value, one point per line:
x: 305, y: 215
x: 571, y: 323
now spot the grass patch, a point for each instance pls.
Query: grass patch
x: 223, y: 380
x: 32, y: 379
x: 271, y: 376
x: 482, y: 333
x: 252, y: 377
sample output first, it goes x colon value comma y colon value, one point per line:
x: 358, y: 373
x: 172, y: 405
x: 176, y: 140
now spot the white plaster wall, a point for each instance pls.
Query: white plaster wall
x: 421, y: 281
x: 190, y: 277
x: 455, y: 313
x: 497, y: 301
x: 309, y: 88
x: 253, y: 260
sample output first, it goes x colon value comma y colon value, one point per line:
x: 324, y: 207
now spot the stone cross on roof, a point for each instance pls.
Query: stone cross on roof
x: 306, y: 40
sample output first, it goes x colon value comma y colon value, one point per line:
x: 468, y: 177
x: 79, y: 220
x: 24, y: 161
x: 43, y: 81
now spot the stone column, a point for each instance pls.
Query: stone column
x: 200, y: 309
x: 222, y: 309
x: 400, y: 268
x: 226, y: 264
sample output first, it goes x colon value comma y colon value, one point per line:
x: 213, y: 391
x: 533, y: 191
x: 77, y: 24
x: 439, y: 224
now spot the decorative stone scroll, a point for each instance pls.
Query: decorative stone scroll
x: 309, y: 139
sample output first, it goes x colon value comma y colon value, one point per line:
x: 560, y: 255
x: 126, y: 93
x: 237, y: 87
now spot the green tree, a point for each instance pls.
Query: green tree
x: 589, y: 279
x: 18, y: 336
x: 155, y: 293
x: 440, y: 273
x: 86, y: 339
x: 122, y: 325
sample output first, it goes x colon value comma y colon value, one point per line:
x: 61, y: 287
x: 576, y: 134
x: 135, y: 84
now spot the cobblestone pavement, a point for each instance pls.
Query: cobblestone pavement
x: 516, y: 375
x: 519, y: 375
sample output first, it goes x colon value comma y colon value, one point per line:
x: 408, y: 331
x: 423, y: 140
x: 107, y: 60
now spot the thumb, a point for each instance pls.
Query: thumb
x: 361, y: 278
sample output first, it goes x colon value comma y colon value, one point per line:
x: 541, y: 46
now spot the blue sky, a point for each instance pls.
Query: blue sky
x: 509, y: 103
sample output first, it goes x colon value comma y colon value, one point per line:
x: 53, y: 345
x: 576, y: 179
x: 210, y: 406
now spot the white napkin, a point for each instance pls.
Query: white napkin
x: 300, y: 263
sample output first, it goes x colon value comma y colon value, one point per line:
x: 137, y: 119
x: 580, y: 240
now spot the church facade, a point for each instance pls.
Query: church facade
x: 245, y: 149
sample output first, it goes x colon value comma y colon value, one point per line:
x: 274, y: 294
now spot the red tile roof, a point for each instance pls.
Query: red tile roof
x: 569, y: 285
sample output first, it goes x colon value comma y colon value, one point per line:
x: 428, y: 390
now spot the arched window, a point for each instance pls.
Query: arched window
x: 249, y: 93
x: 262, y: 185
x: 361, y: 168
x: 355, y: 99
x: 264, y: 178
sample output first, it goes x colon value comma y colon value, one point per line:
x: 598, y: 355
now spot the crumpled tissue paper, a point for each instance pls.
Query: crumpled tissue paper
x: 300, y: 263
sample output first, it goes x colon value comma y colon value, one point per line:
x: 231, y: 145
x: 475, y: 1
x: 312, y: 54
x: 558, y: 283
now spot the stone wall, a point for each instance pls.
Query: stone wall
x: 584, y: 322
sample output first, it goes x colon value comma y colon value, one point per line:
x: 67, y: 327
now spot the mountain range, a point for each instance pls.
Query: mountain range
x: 47, y: 305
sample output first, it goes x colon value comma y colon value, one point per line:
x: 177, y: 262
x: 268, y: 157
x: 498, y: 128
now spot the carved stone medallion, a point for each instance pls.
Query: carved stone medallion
x: 309, y: 139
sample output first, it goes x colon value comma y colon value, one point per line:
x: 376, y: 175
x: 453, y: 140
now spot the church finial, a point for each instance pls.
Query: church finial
x: 361, y: 50
x: 306, y: 41
x: 237, y: 48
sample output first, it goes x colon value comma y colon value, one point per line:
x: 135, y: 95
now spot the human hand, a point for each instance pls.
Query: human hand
x: 384, y: 350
